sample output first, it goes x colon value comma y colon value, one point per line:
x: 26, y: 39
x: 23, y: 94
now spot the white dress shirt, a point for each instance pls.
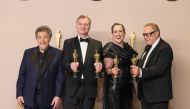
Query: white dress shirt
x: 150, y: 51
x: 83, y: 46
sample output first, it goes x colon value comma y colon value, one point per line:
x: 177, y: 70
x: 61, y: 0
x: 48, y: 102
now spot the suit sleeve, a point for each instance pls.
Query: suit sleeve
x: 21, y: 77
x: 60, y: 77
x: 67, y: 56
x: 161, y: 65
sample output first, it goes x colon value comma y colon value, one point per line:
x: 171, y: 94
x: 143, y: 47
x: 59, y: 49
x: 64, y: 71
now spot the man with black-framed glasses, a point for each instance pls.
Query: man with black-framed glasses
x: 154, y: 70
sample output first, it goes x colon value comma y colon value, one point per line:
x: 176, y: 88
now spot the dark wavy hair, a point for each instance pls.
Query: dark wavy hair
x: 44, y: 28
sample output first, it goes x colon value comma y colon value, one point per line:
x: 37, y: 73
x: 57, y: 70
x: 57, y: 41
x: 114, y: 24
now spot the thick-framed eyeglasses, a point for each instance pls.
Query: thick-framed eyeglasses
x: 148, y: 34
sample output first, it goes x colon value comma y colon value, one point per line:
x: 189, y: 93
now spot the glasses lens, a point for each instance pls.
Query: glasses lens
x: 148, y: 34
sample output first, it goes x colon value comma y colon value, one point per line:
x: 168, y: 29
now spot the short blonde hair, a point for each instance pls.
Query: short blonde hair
x: 154, y: 26
x: 83, y: 17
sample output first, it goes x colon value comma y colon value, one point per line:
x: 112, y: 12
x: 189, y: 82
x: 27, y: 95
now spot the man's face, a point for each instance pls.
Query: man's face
x: 83, y: 27
x: 150, y: 35
x: 43, y: 40
x: 118, y: 34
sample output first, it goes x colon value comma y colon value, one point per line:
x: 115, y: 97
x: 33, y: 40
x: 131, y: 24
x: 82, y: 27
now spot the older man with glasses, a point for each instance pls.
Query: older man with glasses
x: 154, y: 70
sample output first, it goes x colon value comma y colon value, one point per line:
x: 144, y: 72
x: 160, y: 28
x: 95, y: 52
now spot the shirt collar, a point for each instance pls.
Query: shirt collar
x: 45, y: 52
x: 156, y: 43
x: 81, y: 37
x: 87, y: 37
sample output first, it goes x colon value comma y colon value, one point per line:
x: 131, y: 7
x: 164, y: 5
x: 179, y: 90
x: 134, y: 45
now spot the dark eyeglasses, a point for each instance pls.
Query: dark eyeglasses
x: 148, y: 34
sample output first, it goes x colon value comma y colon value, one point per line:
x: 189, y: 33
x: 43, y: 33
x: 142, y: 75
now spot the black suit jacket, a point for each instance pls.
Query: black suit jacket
x: 51, y: 80
x: 87, y: 69
x: 155, y: 84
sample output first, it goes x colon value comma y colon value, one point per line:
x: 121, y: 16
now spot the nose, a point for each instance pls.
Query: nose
x: 119, y: 34
x: 145, y: 37
x: 42, y: 40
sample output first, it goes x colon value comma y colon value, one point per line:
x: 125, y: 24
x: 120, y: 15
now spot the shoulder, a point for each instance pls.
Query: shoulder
x: 130, y: 49
x: 108, y: 45
x: 165, y: 45
x: 31, y: 49
x: 108, y: 50
x: 95, y: 41
x: 165, y: 49
x: 69, y: 40
x: 54, y: 49
x: 127, y: 46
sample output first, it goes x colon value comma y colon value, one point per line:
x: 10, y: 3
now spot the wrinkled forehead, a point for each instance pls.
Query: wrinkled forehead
x: 83, y: 20
x: 42, y: 34
x: 148, y: 29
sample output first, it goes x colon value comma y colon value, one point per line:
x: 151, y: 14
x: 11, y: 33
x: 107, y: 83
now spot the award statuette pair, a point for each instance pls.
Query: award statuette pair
x: 75, y: 59
x: 133, y: 60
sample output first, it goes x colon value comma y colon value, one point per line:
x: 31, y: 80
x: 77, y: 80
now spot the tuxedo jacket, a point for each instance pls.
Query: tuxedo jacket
x: 155, y: 85
x: 51, y: 80
x: 87, y: 68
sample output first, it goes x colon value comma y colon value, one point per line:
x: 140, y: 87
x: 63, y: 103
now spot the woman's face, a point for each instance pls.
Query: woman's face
x: 118, y: 34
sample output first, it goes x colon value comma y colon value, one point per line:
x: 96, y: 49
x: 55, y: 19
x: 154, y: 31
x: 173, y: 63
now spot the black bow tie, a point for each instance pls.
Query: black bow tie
x: 84, y: 40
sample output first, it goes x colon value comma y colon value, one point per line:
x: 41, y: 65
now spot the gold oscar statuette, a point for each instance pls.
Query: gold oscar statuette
x: 116, y: 63
x: 75, y: 59
x: 132, y: 38
x: 58, y: 38
x: 135, y: 101
x: 134, y: 62
x: 134, y: 58
x: 19, y: 107
x: 97, y: 60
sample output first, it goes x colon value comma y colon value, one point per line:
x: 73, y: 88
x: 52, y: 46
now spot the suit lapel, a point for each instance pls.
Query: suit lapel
x: 77, y: 45
x: 48, y: 59
x: 140, y: 61
x: 143, y: 56
x: 34, y: 59
x: 154, y: 51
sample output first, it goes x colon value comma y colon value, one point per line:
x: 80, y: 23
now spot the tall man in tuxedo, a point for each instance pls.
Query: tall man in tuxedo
x: 80, y: 92
x: 40, y: 79
x: 154, y: 70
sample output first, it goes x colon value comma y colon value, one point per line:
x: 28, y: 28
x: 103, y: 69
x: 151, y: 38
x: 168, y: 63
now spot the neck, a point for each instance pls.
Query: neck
x: 119, y: 44
x: 43, y: 50
x: 83, y: 35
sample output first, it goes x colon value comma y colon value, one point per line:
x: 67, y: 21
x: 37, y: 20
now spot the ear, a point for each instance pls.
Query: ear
x: 157, y: 33
x: 124, y: 34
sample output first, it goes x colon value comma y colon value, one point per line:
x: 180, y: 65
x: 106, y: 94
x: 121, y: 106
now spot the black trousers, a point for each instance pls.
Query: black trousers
x: 159, y: 105
x: 79, y: 101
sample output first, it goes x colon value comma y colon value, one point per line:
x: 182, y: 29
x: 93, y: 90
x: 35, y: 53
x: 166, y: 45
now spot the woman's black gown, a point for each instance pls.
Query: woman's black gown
x: 119, y: 95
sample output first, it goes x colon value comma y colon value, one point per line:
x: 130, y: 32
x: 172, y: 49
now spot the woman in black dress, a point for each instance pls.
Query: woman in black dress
x: 118, y: 95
